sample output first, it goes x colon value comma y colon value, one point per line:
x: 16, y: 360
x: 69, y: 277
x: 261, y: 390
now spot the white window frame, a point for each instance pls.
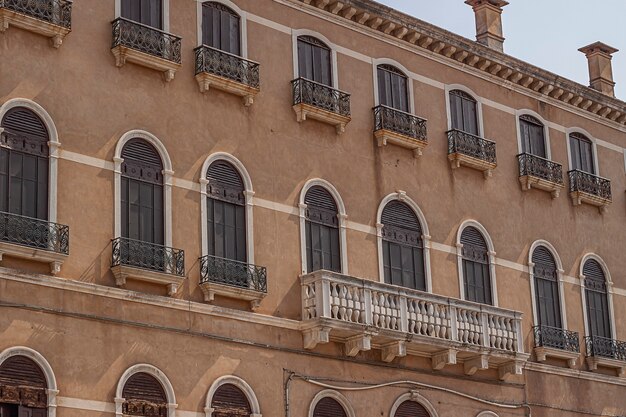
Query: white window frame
x: 401, y: 196
x: 239, y: 383
x: 335, y: 395
x: 594, y: 147
x: 492, y: 259
x: 248, y: 194
x: 560, y: 273
x: 387, y: 61
x: 243, y: 22
x: 168, y: 174
x: 609, y: 292
x: 546, y: 130
x: 53, y: 148
x: 342, y: 217
x: 158, y: 375
x: 479, y: 105
x: 415, y: 397
x: 51, y: 383
x: 295, y: 33
x: 166, y: 13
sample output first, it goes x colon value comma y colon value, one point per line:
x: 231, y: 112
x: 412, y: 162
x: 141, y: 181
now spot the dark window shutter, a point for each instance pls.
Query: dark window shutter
x: 532, y: 135
x: 145, y: 387
x: 147, y: 12
x: 22, y: 371
x: 319, y: 197
x: 393, y: 88
x: 225, y: 183
x: 546, y: 287
x: 328, y: 407
x: 322, y: 231
x: 23, y: 121
x: 581, y: 150
x: 411, y: 409
x: 397, y: 213
x: 592, y: 270
x: 221, y: 27
x: 472, y: 236
x: 463, y: 112
x: 314, y: 60
x: 476, y: 272
x: 230, y: 401
x: 542, y: 256
x: 597, y: 299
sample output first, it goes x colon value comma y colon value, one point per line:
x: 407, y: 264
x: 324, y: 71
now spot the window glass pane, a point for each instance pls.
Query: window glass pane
x: 420, y: 276
x: 470, y: 118
x: 42, y: 188
x: 386, y: 262
x: 4, y: 180
x: 218, y: 212
x: 456, y: 112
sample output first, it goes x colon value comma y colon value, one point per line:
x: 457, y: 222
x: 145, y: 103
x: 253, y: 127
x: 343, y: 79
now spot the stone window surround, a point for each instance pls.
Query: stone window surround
x: 239, y: 383
x: 609, y: 292
x: 158, y: 375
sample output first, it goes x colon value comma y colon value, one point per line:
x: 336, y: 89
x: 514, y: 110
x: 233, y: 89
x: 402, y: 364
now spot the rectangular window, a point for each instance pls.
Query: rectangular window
x: 598, y: 312
x: 548, y: 304
x: 314, y: 62
x: 147, y: 12
x: 477, y: 282
x: 463, y: 112
x: 322, y: 245
x: 221, y: 29
x: 393, y: 90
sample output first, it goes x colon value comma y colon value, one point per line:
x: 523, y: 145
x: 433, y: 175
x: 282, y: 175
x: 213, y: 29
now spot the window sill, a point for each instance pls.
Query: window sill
x: 580, y: 197
x: 124, y: 272
x: 458, y: 159
x: 385, y: 136
x: 542, y: 352
x: 54, y: 32
x: 206, y: 80
x: 29, y: 253
x: 211, y: 289
x: 125, y: 54
x: 594, y: 361
x: 531, y: 181
x: 305, y: 111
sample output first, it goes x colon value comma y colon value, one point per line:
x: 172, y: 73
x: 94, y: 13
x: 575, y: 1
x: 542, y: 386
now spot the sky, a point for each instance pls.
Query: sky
x: 544, y: 33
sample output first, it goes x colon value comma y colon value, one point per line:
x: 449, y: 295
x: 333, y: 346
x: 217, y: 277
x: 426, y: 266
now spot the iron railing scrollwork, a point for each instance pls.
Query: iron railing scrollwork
x: 471, y: 145
x: 606, y: 348
x: 320, y: 96
x: 150, y: 256
x: 584, y: 182
x: 400, y: 122
x: 233, y: 273
x: 535, y: 166
x: 56, y: 12
x: 34, y: 233
x: 224, y: 64
x: 146, y: 39
x: 553, y: 337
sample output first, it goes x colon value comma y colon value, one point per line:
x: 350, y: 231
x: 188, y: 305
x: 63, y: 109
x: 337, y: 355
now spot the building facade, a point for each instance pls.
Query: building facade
x: 303, y: 208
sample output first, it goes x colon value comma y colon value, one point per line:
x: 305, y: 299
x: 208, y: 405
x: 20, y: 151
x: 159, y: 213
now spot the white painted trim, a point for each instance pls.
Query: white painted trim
x: 168, y: 174
x: 387, y: 61
x: 486, y: 414
x: 594, y: 147
x: 166, y: 13
x: 401, y: 196
x: 158, y: 375
x: 560, y: 272
x: 53, y: 145
x: 343, y: 241
x: 335, y: 395
x: 415, y: 397
x: 243, y: 22
x: 51, y: 382
x: 295, y: 33
x: 492, y: 259
x: 479, y: 105
x: 239, y: 383
x: 609, y: 292
x: 248, y: 193
x: 546, y: 130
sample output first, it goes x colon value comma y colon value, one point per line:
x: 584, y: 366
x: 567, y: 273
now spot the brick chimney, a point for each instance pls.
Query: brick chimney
x: 600, y: 70
x: 489, y: 22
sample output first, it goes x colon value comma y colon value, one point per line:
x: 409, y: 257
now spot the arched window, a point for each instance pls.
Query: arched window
x: 322, y: 230
x: 221, y: 27
x: 230, y: 401
x: 226, y: 212
x: 144, y: 396
x: 464, y: 112
x: 393, y: 88
x: 23, y: 388
x: 581, y: 150
x: 597, y: 299
x: 532, y: 136
x: 24, y: 164
x: 545, y: 274
x: 314, y: 60
x: 476, y: 266
x: 411, y: 409
x: 329, y: 407
x: 147, y: 12
x: 403, y: 249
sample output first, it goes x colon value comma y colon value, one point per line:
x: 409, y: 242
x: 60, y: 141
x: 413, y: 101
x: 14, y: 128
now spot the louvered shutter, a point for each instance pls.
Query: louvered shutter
x: 328, y: 407
x: 597, y: 299
x: 546, y: 287
x: 22, y: 382
x: 322, y: 231
x: 142, y: 161
x: 144, y: 395
x: 476, y: 271
x: 321, y: 206
x: 399, y: 214
x: 411, y: 409
x: 23, y: 121
x: 230, y: 401
x: 225, y: 183
x: 472, y: 237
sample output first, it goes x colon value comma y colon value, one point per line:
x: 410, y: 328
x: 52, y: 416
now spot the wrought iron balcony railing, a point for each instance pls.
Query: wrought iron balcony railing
x: 320, y: 96
x: 34, y: 233
x: 584, y: 182
x: 224, y: 64
x: 56, y: 12
x: 553, y: 337
x: 535, y: 166
x: 146, y: 39
x: 605, y: 348
x: 471, y: 145
x: 144, y: 255
x: 387, y: 118
x: 233, y: 273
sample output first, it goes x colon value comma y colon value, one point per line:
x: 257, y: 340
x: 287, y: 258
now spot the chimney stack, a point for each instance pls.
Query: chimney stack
x: 489, y: 22
x: 600, y: 70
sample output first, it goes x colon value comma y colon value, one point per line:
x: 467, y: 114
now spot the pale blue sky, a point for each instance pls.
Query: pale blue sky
x: 545, y: 33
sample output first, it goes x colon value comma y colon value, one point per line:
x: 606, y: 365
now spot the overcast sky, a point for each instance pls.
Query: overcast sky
x: 545, y: 33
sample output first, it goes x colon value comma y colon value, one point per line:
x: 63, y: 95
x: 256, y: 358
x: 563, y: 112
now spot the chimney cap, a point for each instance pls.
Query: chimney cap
x: 496, y: 3
x: 598, y: 47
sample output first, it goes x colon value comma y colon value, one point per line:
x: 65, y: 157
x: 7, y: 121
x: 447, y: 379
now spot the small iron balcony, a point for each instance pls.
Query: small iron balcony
x: 606, y: 352
x: 147, y: 46
x: 321, y: 102
x: 400, y: 128
x: 51, y: 18
x: 471, y: 151
x: 589, y: 188
x: 227, y: 72
x: 233, y: 279
x: 556, y: 343
x: 540, y: 173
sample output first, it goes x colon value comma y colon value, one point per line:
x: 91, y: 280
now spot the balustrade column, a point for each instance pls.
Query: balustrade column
x: 454, y: 325
x: 322, y: 298
x: 518, y: 335
x: 484, y: 320
x: 367, y: 299
x: 404, y: 314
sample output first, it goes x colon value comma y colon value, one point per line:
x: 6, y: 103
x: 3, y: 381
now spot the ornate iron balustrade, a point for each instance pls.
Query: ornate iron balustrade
x: 233, y: 273
x: 399, y: 122
x: 34, y: 233
x: 138, y: 254
x: 535, y: 166
x: 584, y: 182
x: 553, y: 337
x: 606, y: 348
x: 56, y: 12
x: 224, y: 64
x: 146, y: 39
x: 320, y: 96
x: 471, y: 145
